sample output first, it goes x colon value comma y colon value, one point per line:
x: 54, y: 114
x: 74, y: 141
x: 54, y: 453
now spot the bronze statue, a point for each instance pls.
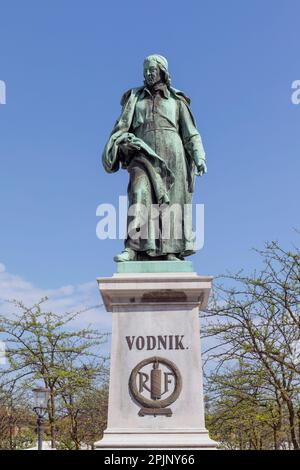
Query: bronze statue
x: 157, y: 141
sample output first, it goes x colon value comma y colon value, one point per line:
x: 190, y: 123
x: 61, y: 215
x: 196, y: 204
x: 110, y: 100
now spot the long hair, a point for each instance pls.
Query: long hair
x: 166, y: 76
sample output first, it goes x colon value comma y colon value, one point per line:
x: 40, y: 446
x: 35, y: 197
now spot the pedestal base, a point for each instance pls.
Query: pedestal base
x: 155, y: 393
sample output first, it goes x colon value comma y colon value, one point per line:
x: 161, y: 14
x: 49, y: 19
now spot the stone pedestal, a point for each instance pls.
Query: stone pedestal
x: 155, y: 392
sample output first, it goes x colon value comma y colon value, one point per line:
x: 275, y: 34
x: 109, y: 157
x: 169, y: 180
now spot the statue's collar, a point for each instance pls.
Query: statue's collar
x: 161, y: 87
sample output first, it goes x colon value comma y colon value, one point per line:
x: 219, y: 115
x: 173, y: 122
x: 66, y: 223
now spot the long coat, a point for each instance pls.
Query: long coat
x: 161, y: 173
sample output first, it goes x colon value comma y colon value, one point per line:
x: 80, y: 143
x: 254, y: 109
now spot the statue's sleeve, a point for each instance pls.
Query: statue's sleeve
x: 191, y: 138
x: 111, y: 156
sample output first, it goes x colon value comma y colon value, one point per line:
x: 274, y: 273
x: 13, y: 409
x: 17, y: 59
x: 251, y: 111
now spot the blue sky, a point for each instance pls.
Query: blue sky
x: 66, y: 64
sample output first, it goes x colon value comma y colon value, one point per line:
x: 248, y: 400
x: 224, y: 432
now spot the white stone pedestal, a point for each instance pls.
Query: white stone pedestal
x: 155, y: 317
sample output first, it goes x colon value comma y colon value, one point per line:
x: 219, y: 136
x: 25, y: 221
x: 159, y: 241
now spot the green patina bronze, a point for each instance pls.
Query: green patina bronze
x: 157, y: 141
x: 155, y: 267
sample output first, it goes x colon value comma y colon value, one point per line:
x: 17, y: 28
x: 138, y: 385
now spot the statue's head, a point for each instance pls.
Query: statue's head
x: 156, y: 70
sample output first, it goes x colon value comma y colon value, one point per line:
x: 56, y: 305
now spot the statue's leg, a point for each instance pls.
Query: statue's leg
x: 140, y: 198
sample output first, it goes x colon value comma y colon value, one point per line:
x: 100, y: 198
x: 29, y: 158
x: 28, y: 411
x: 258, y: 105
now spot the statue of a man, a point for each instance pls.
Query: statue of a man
x: 156, y: 140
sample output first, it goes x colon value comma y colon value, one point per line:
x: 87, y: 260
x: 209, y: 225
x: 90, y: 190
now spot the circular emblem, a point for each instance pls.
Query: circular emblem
x: 155, y: 383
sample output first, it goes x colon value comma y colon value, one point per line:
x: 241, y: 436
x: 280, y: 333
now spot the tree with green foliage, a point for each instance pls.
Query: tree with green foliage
x: 43, y: 347
x: 255, y: 321
x: 17, y: 420
x: 245, y: 411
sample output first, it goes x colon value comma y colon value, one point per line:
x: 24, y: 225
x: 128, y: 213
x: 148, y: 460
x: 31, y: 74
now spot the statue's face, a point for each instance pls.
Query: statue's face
x: 152, y: 73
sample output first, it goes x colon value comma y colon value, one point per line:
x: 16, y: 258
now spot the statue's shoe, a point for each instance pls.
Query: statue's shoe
x: 172, y: 257
x: 165, y: 199
x: 127, y: 255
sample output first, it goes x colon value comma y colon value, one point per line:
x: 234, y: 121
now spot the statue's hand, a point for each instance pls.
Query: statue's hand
x: 128, y: 145
x: 201, y: 168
